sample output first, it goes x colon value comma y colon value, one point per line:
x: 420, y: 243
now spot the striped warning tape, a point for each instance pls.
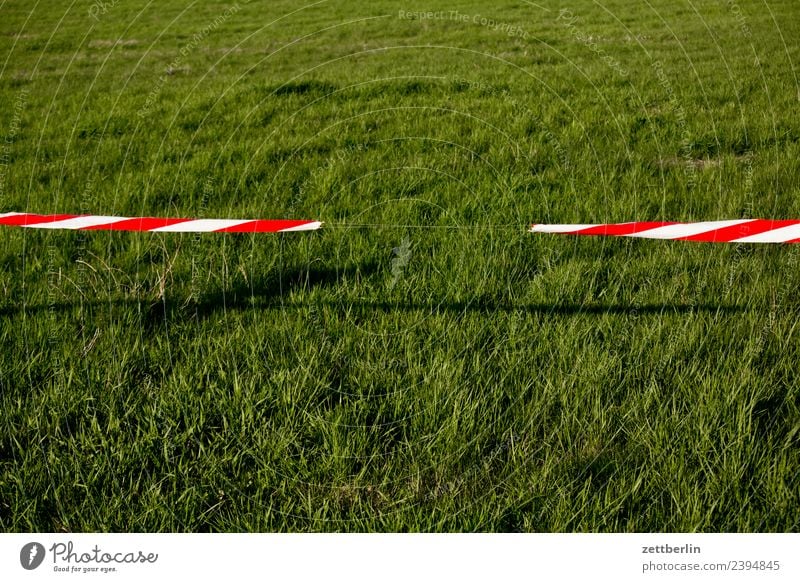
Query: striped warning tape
x: 146, y: 224
x: 735, y: 231
x: 730, y: 231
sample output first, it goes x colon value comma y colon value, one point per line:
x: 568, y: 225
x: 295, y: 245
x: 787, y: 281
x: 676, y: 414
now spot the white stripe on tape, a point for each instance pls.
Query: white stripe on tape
x: 201, y: 225
x: 673, y: 231
x: 79, y: 222
x: 559, y: 228
x: 308, y: 226
x: 778, y: 235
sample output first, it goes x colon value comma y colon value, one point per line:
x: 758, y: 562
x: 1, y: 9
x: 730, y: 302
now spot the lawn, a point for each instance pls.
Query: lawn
x: 422, y: 363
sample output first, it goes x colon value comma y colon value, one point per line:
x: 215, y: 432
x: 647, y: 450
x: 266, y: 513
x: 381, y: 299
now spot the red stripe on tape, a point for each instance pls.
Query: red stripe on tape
x: 621, y: 229
x: 30, y: 219
x: 138, y: 224
x: 264, y: 226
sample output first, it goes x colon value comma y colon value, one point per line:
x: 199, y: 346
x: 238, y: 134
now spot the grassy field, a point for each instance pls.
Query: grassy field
x: 422, y: 363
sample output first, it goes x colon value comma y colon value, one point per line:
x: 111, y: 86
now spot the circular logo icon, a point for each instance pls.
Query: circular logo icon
x: 31, y: 555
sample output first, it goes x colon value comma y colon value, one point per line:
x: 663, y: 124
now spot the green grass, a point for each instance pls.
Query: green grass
x: 476, y: 378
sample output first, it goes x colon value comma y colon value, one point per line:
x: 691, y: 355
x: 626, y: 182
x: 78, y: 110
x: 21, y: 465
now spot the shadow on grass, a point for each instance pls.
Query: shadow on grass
x: 264, y: 293
x: 158, y: 311
x: 267, y: 293
x: 271, y: 293
x: 234, y: 302
x: 488, y: 306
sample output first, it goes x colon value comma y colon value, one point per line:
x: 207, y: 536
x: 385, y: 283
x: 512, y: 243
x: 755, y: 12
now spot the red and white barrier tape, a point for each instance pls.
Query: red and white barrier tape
x: 90, y: 222
x: 729, y: 231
